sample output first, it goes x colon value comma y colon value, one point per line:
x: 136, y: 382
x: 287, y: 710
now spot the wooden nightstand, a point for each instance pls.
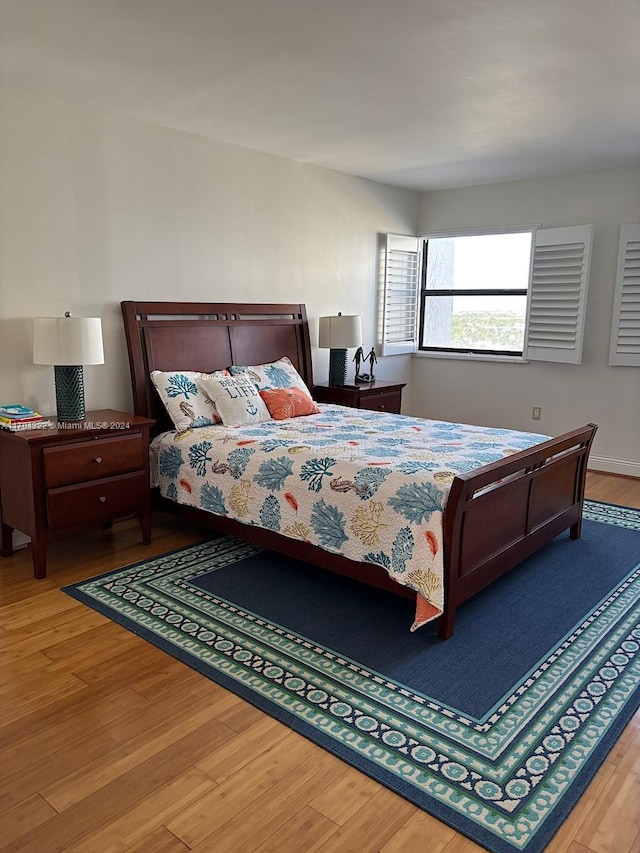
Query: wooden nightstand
x: 58, y: 481
x: 379, y: 395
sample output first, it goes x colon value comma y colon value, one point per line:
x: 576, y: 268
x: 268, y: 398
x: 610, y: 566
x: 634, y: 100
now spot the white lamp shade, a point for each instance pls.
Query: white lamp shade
x: 340, y: 332
x: 67, y: 341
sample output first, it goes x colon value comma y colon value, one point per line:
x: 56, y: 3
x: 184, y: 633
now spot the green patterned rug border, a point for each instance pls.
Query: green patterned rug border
x: 605, y: 513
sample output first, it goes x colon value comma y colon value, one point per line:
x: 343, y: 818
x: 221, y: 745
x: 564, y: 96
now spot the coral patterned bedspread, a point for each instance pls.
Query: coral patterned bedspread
x: 368, y: 485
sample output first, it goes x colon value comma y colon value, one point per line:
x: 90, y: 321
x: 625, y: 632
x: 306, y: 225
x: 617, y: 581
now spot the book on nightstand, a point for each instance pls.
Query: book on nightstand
x: 17, y: 417
x: 18, y: 413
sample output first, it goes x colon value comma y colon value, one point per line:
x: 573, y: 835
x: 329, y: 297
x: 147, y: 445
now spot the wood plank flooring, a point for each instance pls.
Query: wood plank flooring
x: 108, y: 744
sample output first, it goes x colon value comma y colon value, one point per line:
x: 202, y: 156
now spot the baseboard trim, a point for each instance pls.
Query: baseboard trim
x: 626, y: 467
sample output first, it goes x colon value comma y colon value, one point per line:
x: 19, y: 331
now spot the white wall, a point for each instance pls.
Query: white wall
x: 97, y: 207
x: 503, y: 394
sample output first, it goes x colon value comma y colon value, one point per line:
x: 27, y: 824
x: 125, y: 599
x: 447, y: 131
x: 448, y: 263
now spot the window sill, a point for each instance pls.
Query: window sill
x: 505, y: 359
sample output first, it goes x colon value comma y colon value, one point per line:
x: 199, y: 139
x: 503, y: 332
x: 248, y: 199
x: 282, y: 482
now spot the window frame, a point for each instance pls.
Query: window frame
x: 424, y: 294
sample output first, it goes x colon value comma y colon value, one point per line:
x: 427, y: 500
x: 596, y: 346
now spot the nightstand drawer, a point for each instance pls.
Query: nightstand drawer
x: 101, y: 500
x: 82, y: 461
x: 389, y: 402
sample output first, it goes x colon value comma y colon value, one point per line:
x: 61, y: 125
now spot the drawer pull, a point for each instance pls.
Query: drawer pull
x: 98, y: 459
x: 381, y: 406
x: 102, y: 499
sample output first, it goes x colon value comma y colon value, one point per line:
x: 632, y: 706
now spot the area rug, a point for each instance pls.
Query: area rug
x: 496, y: 732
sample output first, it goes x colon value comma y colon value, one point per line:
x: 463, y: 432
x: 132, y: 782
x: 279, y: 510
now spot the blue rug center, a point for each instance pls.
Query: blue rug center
x: 500, y: 635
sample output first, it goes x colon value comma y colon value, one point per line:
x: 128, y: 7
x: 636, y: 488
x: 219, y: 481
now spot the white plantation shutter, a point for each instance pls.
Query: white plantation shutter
x: 625, y: 330
x: 560, y: 276
x: 400, y: 273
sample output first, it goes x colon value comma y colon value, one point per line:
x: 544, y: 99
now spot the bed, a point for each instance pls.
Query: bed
x: 493, y: 516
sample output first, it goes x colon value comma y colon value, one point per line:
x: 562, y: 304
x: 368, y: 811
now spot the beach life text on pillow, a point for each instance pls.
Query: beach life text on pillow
x: 237, y: 400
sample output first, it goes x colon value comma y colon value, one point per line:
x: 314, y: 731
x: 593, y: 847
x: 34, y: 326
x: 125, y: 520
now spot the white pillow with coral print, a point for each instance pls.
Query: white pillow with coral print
x: 187, y: 403
x: 272, y: 375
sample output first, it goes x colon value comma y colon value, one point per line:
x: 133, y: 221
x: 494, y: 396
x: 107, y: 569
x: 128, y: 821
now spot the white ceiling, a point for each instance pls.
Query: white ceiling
x: 423, y: 94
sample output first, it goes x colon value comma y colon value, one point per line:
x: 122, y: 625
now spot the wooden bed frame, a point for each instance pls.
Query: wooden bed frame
x: 494, y: 517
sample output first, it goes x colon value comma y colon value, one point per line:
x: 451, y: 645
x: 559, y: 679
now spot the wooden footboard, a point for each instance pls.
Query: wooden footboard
x: 501, y: 513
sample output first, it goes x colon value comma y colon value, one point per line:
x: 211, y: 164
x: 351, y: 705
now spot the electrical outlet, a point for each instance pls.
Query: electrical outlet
x: 536, y: 413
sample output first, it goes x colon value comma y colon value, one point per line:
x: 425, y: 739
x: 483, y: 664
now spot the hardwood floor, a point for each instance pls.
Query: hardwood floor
x: 107, y: 743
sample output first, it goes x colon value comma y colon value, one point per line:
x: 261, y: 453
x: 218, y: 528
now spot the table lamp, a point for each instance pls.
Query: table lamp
x: 337, y: 334
x: 68, y: 343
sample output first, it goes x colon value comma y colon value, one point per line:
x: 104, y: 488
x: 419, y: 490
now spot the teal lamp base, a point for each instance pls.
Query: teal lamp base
x: 337, y: 367
x: 69, y: 393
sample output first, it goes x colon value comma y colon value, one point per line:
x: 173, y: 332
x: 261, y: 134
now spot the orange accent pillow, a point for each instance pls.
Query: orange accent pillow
x: 288, y: 403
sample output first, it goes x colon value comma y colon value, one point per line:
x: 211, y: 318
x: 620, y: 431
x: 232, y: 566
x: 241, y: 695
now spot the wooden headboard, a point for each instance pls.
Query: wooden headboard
x: 208, y: 336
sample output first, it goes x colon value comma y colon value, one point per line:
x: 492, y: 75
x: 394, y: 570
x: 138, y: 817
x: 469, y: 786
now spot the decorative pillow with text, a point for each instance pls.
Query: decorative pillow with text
x: 237, y: 400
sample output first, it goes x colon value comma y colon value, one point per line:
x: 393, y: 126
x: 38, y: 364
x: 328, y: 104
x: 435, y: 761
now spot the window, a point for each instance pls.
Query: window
x: 511, y: 293
x: 474, y: 293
